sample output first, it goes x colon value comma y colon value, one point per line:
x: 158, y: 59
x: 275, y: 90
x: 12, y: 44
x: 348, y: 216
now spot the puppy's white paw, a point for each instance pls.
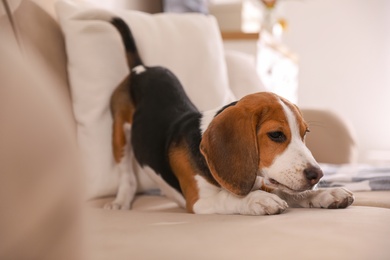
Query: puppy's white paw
x: 263, y: 203
x: 341, y: 198
x: 116, y: 205
x: 334, y: 198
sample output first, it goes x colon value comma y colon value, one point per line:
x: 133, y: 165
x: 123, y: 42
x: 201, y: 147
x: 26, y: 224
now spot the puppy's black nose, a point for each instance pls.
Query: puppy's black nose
x: 313, y: 174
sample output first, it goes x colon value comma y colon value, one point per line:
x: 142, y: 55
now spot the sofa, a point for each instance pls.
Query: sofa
x: 43, y: 183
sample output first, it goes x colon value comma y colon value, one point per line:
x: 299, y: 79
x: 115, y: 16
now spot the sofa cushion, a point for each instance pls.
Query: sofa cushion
x: 40, y: 38
x: 40, y: 173
x: 156, y: 228
x: 97, y: 64
x: 332, y: 139
x: 243, y: 78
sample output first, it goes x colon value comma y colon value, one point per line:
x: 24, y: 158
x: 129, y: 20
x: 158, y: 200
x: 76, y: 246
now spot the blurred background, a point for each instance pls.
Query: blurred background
x: 344, y: 64
x: 327, y: 54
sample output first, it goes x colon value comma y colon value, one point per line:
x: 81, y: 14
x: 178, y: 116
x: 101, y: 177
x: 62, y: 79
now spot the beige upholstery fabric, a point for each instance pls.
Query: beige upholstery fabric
x: 331, y: 140
x: 157, y: 229
x: 243, y: 78
x: 39, y: 165
x: 373, y: 199
x: 43, y: 46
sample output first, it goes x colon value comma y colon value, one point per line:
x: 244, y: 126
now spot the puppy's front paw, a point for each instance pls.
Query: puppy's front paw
x: 333, y: 198
x: 116, y: 205
x: 341, y: 198
x: 263, y: 203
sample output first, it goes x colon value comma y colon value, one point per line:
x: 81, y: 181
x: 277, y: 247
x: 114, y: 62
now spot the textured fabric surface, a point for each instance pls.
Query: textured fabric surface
x: 373, y: 199
x: 331, y: 138
x: 243, y: 78
x: 156, y: 228
x: 40, y: 176
x: 97, y: 65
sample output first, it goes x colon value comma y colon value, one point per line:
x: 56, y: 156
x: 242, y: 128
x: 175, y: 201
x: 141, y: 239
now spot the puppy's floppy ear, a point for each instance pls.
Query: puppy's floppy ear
x: 230, y: 148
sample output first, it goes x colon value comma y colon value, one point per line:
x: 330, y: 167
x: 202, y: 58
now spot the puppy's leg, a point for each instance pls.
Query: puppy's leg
x: 127, y: 179
x: 122, y: 112
x: 214, y: 200
x: 332, y: 198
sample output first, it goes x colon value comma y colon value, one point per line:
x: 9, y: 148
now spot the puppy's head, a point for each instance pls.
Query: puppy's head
x: 262, y: 134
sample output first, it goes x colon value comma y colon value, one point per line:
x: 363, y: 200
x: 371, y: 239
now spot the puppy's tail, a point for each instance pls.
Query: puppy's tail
x: 133, y: 59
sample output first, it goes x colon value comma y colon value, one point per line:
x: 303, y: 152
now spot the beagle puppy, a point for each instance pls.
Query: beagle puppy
x: 248, y: 157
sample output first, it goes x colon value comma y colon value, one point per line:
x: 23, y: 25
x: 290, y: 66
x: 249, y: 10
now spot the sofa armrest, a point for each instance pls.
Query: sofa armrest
x: 331, y: 139
x: 242, y: 75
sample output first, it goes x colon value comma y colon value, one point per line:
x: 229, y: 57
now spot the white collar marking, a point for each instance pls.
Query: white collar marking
x: 139, y: 69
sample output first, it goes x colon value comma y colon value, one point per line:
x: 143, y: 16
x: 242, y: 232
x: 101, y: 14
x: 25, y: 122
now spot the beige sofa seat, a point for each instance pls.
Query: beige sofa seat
x: 157, y: 229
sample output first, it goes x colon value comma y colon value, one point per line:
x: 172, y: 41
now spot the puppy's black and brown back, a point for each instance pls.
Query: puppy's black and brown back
x: 121, y: 105
x: 161, y: 112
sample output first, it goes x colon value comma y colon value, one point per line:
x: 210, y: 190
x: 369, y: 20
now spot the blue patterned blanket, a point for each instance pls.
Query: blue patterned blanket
x: 356, y: 177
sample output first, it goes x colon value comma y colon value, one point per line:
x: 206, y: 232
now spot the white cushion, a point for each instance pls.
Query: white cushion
x: 188, y: 44
x: 243, y: 77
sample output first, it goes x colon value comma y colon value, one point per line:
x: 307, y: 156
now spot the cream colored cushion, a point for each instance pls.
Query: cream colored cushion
x: 243, y: 78
x: 40, y: 177
x: 97, y: 65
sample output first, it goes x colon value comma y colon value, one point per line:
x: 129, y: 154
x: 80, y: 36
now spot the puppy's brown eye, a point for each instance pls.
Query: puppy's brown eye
x: 277, y: 136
